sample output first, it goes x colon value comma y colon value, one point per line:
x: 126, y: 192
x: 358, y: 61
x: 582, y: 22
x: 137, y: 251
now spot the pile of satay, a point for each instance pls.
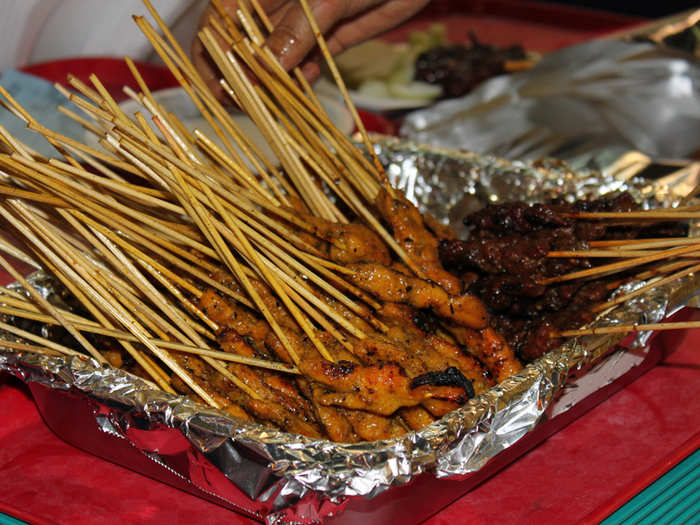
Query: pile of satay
x: 302, y: 290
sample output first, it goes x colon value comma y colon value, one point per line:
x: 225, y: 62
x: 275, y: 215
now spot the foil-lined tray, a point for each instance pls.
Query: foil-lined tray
x: 289, y: 478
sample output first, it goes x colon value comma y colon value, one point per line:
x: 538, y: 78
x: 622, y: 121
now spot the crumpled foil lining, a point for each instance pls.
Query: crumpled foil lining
x: 300, y: 479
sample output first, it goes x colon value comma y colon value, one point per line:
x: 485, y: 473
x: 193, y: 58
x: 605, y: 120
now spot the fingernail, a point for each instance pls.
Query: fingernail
x: 311, y: 70
x: 283, y: 49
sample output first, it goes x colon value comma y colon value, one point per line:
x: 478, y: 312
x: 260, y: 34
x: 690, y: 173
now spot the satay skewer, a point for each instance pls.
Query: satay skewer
x: 624, y: 244
x: 38, y: 339
x: 624, y: 329
x: 650, y: 286
x: 623, y: 265
x: 24, y: 347
x: 48, y: 307
x: 248, y: 147
x: 94, y: 328
x: 320, y: 40
x: 655, y: 214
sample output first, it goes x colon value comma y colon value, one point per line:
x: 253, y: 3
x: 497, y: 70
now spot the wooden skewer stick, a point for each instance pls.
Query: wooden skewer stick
x: 272, y: 280
x: 623, y: 329
x: 16, y: 193
x: 655, y: 284
x: 247, y: 146
x: 17, y: 254
x: 12, y: 345
x: 101, y: 297
x: 346, y: 96
x: 654, y: 214
x: 605, y: 254
x: 175, y: 316
x: 21, y: 303
x: 37, y: 339
x: 618, y: 266
x: 233, y: 264
x: 170, y: 345
x: 661, y: 270
x: 643, y: 244
x: 47, y: 306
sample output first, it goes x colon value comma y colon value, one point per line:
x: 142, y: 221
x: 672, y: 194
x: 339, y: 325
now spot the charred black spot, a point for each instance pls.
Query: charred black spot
x: 448, y: 377
x: 340, y: 369
x: 425, y: 321
x: 225, y: 331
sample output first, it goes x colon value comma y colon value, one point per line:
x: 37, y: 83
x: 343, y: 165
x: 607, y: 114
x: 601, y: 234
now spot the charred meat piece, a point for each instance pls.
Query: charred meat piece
x: 505, y: 259
x: 410, y: 232
x: 459, y: 68
x: 350, y: 243
x: 389, y: 285
x: 382, y: 388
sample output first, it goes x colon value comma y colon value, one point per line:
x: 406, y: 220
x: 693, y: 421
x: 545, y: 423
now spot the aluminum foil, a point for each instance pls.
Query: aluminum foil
x: 289, y: 478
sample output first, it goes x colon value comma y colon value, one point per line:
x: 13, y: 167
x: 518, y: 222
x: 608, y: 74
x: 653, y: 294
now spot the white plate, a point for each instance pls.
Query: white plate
x: 370, y: 103
x: 176, y: 101
x: 386, y: 103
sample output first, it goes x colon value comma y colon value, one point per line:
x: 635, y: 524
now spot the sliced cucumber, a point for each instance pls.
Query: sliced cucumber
x: 415, y: 90
x: 374, y: 88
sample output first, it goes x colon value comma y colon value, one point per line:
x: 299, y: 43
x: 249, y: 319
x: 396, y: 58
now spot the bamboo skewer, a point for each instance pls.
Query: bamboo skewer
x: 94, y: 328
x: 615, y: 267
x: 654, y: 214
x: 624, y: 329
x: 51, y: 310
x: 623, y: 244
x: 247, y: 146
x: 612, y: 254
x: 346, y: 96
x: 654, y: 284
x: 39, y: 340
x: 27, y: 348
x: 102, y: 298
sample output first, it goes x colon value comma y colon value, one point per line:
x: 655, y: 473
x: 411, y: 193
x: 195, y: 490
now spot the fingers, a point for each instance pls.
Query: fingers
x: 201, y: 59
x: 347, y: 22
x: 372, y: 23
x: 292, y: 38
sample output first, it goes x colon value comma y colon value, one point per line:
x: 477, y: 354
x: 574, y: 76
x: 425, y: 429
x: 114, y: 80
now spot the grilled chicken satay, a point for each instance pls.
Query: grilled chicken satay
x: 373, y: 427
x: 416, y: 417
x: 350, y: 243
x: 273, y: 386
x: 382, y: 388
x: 410, y: 232
x: 376, y: 352
x: 266, y: 410
x: 491, y: 348
x: 338, y: 427
x: 333, y: 420
x: 434, y: 351
x: 390, y: 285
x: 282, y: 402
x: 202, y: 375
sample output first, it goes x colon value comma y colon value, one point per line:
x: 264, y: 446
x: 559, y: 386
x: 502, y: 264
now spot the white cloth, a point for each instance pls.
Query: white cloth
x: 34, y: 31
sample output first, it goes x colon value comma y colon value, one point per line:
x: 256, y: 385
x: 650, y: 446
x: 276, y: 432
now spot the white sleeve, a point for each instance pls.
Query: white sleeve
x: 105, y: 28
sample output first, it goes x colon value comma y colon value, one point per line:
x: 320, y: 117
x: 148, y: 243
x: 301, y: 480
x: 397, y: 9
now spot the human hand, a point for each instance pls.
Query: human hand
x: 343, y: 23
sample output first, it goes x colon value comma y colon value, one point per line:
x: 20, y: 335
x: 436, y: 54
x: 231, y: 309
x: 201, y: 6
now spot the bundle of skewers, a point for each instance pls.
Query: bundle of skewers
x: 302, y: 291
